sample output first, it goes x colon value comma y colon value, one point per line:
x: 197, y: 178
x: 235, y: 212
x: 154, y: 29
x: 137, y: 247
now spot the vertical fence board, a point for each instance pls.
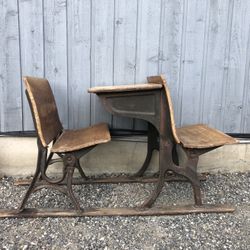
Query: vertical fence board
x: 31, y: 45
x: 124, y: 50
x: 203, y: 48
x: 148, y: 42
x: 101, y: 54
x: 56, y: 53
x: 245, y: 119
x: 171, y: 47
x: 234, y: 91
x: 216, y: 61
x: 193, y: 61
x: 79, y: 20
x: 10, y: 79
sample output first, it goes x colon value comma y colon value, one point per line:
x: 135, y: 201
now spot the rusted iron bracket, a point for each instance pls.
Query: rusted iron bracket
x: 114, y: 180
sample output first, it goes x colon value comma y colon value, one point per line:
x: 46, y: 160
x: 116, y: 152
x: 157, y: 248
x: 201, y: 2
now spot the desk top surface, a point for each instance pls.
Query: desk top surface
x: 125, y: 88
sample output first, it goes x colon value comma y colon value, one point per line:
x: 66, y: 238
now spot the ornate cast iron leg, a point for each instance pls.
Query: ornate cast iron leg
x: 193, y: 177
x: 47, y: 164
x: 41, y: 160
x: 78, y: 166
x: 152, y: 145
x: 189, y: 170
x: 165, y: 159
x: 70, y: 162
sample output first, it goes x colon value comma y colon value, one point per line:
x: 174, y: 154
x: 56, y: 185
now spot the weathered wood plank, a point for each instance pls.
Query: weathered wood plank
x: 220, y: 15
x: 170, y: 210
x: 10, y: 79
x: 125, y: 88
x: 79, y: 42
x: 124, y: 50
x: 195, y: 46
x: 102, y: 36
x: 245, y: 118
x: 55, y: 36
x: 201, y: 136
x: 31, y: 45
x: 203, y: 48
x: 172, y: 23
x: 234, y: 90
x: 148, y: 34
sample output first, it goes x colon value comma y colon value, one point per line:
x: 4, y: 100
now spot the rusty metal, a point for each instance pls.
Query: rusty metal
x: 41, y: 180
x: 152, y: 144
x: 120, y: 179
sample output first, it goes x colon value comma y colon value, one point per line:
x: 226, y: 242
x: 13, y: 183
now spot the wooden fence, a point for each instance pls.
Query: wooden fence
x: 202, y: 46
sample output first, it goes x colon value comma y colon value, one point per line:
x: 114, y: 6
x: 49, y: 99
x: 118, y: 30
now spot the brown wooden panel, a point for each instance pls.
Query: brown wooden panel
x: 81, y: 138
x: 170, y: 210
x: 202, y: 136
x: 43, y: 104
x: 124, y: 88
x: 160, y: 79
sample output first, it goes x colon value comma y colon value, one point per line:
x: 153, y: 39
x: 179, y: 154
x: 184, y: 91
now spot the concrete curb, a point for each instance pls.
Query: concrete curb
x: 18, y: 158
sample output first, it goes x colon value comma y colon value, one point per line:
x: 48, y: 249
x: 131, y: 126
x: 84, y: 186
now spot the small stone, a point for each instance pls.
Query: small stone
x: 200, y: 231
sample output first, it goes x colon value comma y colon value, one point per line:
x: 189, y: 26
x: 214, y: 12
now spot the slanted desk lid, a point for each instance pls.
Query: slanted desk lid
x: 125, y: 88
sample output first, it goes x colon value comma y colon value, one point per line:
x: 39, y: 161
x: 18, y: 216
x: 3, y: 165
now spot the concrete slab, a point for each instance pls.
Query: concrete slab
x: 18, y: 158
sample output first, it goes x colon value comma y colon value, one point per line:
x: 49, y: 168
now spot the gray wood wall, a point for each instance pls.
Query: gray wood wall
x: 202, y: 46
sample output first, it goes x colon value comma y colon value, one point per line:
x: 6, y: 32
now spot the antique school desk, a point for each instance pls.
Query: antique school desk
x: 152, y: 102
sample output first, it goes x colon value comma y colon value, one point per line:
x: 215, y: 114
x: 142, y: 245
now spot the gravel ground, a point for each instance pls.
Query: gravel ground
x: 202, y: 231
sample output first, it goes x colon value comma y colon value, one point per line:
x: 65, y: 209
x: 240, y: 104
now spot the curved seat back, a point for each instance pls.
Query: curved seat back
x: 170, y: 111
x: 43, y: 107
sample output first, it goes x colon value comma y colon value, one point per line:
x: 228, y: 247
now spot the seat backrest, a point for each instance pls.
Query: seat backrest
x: 161, y: 79
x: 44, y: 110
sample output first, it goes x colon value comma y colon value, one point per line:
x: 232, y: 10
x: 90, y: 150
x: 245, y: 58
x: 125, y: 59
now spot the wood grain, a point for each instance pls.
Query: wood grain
x: 202, y: 136
x: 10, y: 78
x: 124, y: 88
x: 171, y: 210
x: 171, y: 35
x: 31, y: 46
x: 238, y: 54
x: 71, y: 140
x: 125, y: 27
x: 79, y: 47
x: 195, y: 45
x: 220, y: 14
x: 202, y: 48
x: 102, y: 36
x: 55, y: 35
x: 147, y: 54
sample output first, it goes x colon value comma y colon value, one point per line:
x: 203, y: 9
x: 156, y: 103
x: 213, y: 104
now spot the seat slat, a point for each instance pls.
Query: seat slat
x: 202, y: 136
x: 72, y: 140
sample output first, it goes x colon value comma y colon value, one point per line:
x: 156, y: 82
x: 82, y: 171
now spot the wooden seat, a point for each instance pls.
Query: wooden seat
x: 202, y: 136
x: 195, y: 140
x: 198, y: 136
x: 71, y: 140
